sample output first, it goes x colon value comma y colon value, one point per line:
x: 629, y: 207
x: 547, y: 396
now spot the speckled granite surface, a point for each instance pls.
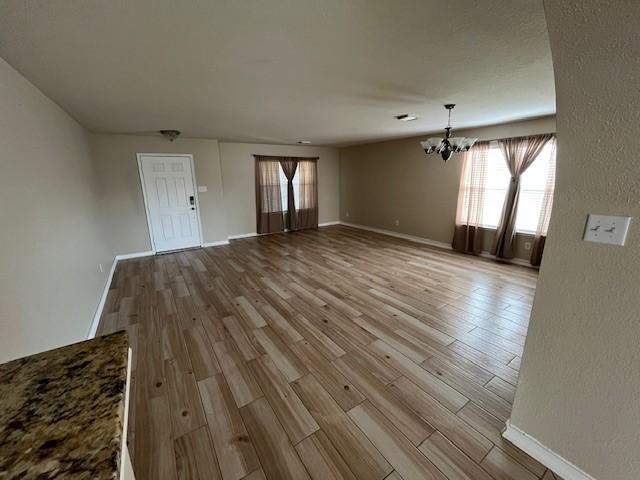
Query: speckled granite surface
x: 61, y: 411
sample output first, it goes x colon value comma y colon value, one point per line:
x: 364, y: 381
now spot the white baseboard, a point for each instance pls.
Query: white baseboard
x: 515, y: 261
x: 413, y: 238
x: 433, y: 243
x: 216, y: 244
x: 544, y: 455
x: 103, y: 298
x: 127, y: 256
x: 254, y: 234
x: 242, y: 235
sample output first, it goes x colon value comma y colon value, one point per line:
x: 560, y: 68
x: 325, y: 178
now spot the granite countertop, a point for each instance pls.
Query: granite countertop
x: 61, y: 411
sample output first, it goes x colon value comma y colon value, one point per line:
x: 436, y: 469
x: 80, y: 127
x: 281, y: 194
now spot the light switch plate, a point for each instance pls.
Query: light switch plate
x: 606, y: 229
x: 202, y: 188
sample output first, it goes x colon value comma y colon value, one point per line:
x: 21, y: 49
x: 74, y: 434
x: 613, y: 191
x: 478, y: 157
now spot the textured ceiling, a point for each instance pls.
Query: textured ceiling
x: 331, y: 71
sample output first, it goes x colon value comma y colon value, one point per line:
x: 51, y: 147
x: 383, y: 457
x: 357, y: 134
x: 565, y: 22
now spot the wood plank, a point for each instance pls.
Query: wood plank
x: 462, y: 435
x: 291, y: 367
x: 154, y: 445
x: 406, y: 459
x: 232, y: 444
x: 278, y: 457
x: 363, y: 458
x: 445, y: 394
x: 502, y: 389
x: 406, y: 347
x: 465, y: 383
x: 236, y: 332
x: 339, y: 387
x: 257, y: 475
x: 492, y: 427
x: 248, y: 312
x: 201, y: 354
x: 451, y: 461
x: 283, y: 327
x: 184, y: 401
x: 411, y: 425
x: 295, y: 418
x: 244, y: 387
x: 502, y: 467
x: 195, y: 456
x: 322, y: 459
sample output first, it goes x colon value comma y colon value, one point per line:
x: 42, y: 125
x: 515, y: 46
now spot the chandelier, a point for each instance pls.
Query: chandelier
x: 447, y: 145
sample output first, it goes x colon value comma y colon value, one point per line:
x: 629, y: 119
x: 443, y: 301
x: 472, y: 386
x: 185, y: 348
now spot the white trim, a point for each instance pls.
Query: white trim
x: 127, y: 256
x: 195, y: 194
x: 103, y: 298
x: 434, y: 243
x: 254, y: 234
x: 242, y: 235
x: 105, y: 291
x: 544, y: 455
x: 515, y: 261
x: 125, y: 461
x: 412, y: 238
x: 215, y: 244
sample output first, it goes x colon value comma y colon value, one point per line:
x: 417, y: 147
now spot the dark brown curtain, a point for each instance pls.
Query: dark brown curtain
x: 269, y: 212
x: 536, y: 251
x: 289, y: 167
x: 467, y: 236
x: 519, y: 153
x: 302, y: 188
x: 307, y: 210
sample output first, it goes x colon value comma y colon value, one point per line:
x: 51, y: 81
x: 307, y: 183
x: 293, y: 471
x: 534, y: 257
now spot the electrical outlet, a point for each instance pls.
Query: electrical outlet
x: 527, y: 245
x: 397, y: 223
x: 347, y: 213
x: 100, y: 268
x: 606, y: 229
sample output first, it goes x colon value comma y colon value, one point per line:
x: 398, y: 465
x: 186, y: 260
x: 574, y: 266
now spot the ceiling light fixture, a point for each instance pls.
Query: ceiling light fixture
x: 170, y: 134
x: 447, y: 145
x: 406, y: 117
x: 304, y: 142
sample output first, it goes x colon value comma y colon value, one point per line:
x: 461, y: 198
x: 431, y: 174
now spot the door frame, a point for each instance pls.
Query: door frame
x: 144, y: 193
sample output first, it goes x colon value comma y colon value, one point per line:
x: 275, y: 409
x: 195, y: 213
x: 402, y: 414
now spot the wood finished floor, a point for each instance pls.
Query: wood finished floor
x: 329, y: 354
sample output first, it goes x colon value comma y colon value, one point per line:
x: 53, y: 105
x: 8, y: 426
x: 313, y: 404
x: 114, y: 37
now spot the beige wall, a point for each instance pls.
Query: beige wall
x: 239, y: 181
x: 579, y: 389
x: 121, y: 197
x: 51, y: 239
x: 388, y: 181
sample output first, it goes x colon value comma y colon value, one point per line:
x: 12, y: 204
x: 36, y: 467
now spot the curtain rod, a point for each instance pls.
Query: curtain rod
x: 284, y: 156
x: 519, y: 136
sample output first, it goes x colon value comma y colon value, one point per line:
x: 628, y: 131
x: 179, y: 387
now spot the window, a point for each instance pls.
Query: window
x: 498, y: 178
x: 284, y: 191
x: 533, y: 184
x: 273, y: 214
x: 485, y: 187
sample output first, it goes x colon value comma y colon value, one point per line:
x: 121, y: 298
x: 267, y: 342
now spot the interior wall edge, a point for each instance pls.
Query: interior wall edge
x: 546, y: 456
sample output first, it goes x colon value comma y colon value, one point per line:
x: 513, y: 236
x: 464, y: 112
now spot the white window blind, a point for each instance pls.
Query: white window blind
x: 485, y: 187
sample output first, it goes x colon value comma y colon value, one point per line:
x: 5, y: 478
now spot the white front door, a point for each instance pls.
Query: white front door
x: 170, y: 197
